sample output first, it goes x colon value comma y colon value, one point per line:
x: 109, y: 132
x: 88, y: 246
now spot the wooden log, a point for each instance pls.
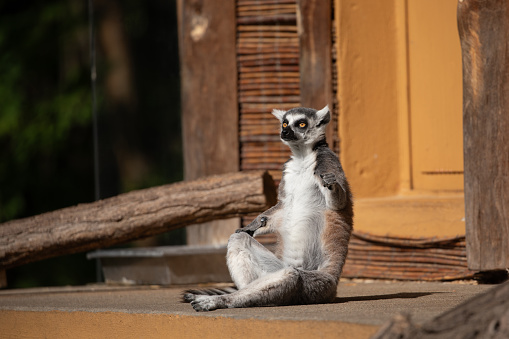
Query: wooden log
x: 134, y: 215
x: 484, y: 35
x: 484, y: 316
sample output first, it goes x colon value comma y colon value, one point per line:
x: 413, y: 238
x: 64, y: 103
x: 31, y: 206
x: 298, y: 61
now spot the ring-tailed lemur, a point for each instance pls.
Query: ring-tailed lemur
x: 313, y: 220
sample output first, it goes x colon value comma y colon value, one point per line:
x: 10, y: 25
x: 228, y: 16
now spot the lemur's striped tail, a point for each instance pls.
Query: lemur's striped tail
x: 188, y: 295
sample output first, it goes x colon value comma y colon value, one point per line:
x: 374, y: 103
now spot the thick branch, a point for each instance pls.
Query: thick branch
x: 134, y: 215
x: 484, y: 316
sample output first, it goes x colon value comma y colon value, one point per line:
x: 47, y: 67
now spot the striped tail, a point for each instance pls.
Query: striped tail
x: 189, y: 295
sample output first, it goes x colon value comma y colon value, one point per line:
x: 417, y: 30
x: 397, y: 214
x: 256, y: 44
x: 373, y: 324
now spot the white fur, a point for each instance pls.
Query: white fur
x: 278, y: 114
x: 303, y: 211
x: 249, y: 260
x: 294, y: 117
x: 321, y: 113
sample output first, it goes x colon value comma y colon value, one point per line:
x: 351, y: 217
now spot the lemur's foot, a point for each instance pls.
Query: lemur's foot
x: 203, y: 303
x: 328, y: 180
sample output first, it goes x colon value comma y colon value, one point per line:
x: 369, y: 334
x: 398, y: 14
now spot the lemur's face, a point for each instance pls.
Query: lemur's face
x: 302, y: 125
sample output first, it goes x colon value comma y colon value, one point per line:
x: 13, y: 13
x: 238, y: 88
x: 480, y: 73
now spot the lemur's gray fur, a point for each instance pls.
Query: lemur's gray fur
x: 313, y: 220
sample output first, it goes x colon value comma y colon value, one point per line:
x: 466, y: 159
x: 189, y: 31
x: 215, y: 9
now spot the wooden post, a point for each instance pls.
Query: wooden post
x: 314, y: 20
x: 134, y: 215
x: 207, y: 34
x: 484, y: 34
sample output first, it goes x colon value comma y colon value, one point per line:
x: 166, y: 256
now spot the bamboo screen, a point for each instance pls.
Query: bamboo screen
x: 269, y: 77
x: 268, y: 68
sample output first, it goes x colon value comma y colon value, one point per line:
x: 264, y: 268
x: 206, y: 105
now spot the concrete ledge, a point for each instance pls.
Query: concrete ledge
x: 102, y: 311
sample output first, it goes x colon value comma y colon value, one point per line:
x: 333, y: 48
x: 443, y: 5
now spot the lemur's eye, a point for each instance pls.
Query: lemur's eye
x: 302, y: 125
x: 285, y: 124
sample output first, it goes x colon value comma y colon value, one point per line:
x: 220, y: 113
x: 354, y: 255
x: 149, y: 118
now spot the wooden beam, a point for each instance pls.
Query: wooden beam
x: 134, y: 215
x: 314, y: 20
x: 208, y: 71
x: 484, y: 34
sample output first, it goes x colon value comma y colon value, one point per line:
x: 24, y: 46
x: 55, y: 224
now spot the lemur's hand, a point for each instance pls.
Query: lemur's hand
x: 328, y: 180
x: 252, y: 227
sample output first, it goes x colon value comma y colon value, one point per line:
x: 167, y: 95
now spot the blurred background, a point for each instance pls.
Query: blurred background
x: 46, y: 120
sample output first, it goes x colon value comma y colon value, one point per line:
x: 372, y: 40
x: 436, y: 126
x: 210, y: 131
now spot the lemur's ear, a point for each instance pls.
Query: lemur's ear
x: 278, y: 114
x: 323, y: 116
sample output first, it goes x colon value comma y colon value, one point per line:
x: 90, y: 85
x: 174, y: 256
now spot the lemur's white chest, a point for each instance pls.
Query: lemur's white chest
x: 304, y: 206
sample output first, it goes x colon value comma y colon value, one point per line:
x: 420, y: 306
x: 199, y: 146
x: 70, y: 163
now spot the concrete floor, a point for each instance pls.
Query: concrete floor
x: 360, y: 308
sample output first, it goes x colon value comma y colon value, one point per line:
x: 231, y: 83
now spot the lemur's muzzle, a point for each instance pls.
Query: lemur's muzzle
x: 287, y: 134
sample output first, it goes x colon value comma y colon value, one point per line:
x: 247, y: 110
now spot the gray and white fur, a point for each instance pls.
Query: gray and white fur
x: 313, y: 220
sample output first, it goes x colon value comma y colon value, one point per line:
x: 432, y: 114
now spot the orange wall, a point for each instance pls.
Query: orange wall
x: 388, y: 51
x: 436, y: 92
x: 369, y: 80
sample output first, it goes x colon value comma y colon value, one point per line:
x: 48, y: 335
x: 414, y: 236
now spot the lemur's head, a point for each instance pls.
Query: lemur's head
x: 302, y: 126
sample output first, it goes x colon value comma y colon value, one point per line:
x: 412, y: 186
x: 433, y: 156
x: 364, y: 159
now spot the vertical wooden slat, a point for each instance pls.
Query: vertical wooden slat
x: 209, y: 98
x: 314, y: 20
x: 484, y: 35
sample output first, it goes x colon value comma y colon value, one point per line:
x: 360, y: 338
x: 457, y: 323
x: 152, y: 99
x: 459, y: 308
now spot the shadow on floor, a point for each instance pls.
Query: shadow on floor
x: 403, y: 295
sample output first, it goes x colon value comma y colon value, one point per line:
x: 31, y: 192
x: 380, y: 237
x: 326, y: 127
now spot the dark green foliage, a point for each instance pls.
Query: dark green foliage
x: 44, y: 107
x: 46, y: 139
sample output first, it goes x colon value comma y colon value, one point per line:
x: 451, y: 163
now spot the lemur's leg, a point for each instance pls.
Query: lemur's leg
x: 277, y: 288
x: 284, y: 287
x: 249, y: 260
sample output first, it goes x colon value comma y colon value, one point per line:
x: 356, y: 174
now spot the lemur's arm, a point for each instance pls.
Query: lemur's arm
x: 331, y: 175
x: 264, y: 223
x: 269, y: 220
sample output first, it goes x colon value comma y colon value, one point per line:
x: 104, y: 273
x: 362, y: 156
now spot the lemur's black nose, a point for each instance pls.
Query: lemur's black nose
x: 287, y: 134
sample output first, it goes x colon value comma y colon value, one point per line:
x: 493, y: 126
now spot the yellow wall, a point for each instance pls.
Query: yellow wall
x: 435, y: 95
x: 369, y: 81
x: 399, y: 89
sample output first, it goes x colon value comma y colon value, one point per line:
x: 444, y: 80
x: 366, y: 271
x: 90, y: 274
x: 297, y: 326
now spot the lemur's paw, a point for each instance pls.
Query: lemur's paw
x: 245, y: 230
x: 328, y: 180
x: 204, y: 303
x: 188, y: 297
x: 252, y: 227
